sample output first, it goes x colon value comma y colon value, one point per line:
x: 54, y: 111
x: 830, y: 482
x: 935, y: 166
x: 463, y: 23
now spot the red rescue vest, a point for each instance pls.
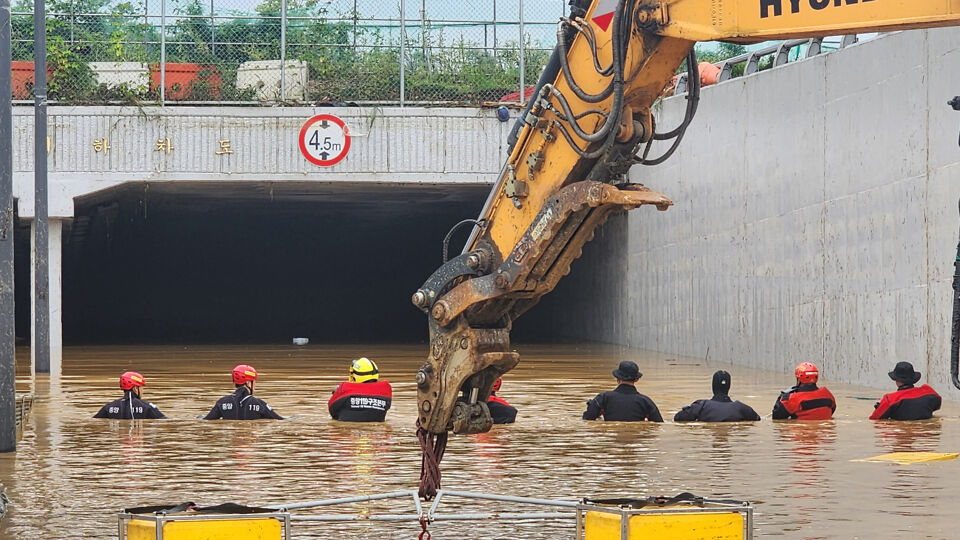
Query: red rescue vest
x: 906, y: 395
x: 374, y: 389
x: 496, y: 399
x: 816, y: 404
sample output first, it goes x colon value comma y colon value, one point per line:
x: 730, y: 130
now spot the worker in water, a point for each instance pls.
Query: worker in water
x: 130, y: 406
x: 806, y: 400
x: 624, y: 403
x: 719, y: 408
x: 501, y: 411
x: 908, y: 402
x: 363, y: 397
x: 241, y: 405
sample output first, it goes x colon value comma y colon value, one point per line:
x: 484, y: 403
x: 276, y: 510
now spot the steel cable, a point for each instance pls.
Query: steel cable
x: 432, y: 447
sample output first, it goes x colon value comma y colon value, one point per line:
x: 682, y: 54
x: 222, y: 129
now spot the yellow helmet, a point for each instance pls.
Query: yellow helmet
x: 363, y: 370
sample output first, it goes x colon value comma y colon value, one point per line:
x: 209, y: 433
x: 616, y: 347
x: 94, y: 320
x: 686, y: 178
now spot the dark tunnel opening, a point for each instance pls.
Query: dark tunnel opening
x: 255, y: 262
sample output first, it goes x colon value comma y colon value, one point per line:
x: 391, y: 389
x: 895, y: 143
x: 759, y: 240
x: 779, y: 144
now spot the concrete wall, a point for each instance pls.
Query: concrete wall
x: 394, y: 145
x: 815, y: 219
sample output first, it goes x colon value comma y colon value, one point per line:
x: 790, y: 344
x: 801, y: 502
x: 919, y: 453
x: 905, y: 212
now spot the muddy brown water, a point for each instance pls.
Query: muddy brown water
x: 72, y: 473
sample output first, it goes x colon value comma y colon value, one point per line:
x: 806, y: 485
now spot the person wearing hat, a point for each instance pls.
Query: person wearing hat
x: 501, y: 411
x: 805, y: 400
x: 719, y: 408
x: 130, y: 406
x: 908, y: 402
x: 624, y: 403
x: 364, y: 397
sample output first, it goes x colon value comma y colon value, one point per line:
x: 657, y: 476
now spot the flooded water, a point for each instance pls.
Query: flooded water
x: 72, y: 473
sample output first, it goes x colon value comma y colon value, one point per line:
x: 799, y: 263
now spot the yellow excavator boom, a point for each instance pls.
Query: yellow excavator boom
x: 761, y: 20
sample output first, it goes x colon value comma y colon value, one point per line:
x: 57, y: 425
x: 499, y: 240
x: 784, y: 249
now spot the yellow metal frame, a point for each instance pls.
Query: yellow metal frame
x: 679, y: 521
x: 221, y: 526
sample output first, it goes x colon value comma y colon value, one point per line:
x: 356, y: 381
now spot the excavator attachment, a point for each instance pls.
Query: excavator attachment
x: 470, y: 319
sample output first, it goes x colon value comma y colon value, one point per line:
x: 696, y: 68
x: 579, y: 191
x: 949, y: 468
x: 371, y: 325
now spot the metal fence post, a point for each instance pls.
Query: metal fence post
x: 494, y: 28
x: 8, y: 404
x: 423, y: 32
x: 163, y: 51
x: 213, y: 31
x: 522, y: 47
x: 283, y: 50
x: 146, y: 25
x: 403, y: 47
x: 41, y: 316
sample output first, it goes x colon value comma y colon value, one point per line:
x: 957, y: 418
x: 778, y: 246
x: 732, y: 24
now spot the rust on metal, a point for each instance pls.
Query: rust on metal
x: 470, y: 323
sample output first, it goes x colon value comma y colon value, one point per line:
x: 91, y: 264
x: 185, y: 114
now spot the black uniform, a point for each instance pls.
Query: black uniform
x: 622, y: 404
x: 129, y: 407
x: 241, y: 405
x: 720, y: 408
x: 501, y: 411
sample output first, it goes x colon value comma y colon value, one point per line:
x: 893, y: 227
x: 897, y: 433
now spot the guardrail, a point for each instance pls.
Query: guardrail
x: 779, y: 54
x: 431, y: 514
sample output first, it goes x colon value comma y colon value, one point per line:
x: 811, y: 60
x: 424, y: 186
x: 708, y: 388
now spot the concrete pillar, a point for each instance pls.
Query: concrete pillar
x: 54, y: 295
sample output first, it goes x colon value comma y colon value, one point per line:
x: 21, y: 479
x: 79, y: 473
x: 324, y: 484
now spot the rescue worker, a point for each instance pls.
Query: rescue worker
x: 805, y: 401
x: 241, y: 405
x: 363, y: 397
x: 908, y: 402
x: 719, y: 408
x: 130, y: 406
x: 501, y: 411
x: 624, y: 403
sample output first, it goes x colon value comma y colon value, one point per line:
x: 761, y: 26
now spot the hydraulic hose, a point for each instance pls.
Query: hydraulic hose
x: 591, y: 38
x: 550, y: 71
x: 446, y: 239
x: 548, y: 75
x: 955, y: 336
x: 693, y: 98
x: 610, y: 129
x: 568, y: 75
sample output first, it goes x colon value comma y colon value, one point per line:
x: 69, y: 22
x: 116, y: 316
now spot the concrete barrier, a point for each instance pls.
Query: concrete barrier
x: 135, y: 75
x: 264, y: 77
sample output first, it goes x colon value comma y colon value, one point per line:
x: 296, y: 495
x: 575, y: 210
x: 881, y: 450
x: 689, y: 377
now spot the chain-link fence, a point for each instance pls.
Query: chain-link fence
x: 294, y: 51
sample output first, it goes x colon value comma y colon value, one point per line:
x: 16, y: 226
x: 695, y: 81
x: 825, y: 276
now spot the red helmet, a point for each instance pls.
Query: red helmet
x: 243, y: 374
x: 131, y: 379
x: 807, y: 373
x: 496, y: 385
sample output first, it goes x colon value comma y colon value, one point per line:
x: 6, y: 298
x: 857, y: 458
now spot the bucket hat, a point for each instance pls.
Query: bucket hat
x: 627, y: 371
x: 904, y: 372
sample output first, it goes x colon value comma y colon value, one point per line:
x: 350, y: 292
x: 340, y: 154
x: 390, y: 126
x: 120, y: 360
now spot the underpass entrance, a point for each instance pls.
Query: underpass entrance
x: 256, y: 262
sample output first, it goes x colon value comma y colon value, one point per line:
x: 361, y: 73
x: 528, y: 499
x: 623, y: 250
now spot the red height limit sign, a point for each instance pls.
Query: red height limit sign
x: 324, y: 140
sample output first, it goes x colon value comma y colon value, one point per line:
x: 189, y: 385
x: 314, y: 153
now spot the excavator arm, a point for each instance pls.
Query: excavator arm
x: 587, y: 123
